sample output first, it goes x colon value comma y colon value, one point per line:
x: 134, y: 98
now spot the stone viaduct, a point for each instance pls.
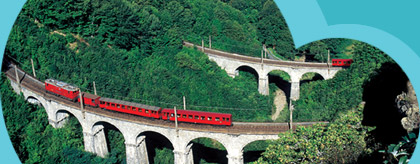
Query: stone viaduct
x: 232, y: 62
x: 92, y: 123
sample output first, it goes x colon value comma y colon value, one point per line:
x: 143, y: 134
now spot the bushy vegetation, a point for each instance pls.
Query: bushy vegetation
x: 35, y: 141
x: 322, y: 100
x: 340, y: 141
x: 133, y: 51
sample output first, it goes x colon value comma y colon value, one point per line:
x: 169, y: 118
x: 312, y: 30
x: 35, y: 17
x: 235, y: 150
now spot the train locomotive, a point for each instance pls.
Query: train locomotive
x: 71, y: 92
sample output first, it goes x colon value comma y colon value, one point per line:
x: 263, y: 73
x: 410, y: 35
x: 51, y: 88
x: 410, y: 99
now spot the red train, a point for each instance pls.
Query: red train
x: 71, y: 92
x: 61, y: 89
x: 342, y: 62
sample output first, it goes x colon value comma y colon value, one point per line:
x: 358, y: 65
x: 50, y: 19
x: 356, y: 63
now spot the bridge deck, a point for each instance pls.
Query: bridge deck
x: 33, y: 84
x: 258, y: 60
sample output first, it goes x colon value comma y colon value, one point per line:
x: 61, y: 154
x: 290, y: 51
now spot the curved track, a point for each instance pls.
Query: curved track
x: 257, y: 60
x: 31, y: 83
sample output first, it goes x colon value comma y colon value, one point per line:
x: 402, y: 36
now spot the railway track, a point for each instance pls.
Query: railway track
x: 258, y: 60
x: 31, y: 83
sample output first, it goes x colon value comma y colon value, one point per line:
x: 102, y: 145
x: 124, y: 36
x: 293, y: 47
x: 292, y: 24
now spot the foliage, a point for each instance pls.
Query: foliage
x: 164, y: 71
x: 285, y: 76
x: 402, y: 151
x: 163, y: 156
x: 322, y: 100
x: 35, y: 141
x: 337, y: 142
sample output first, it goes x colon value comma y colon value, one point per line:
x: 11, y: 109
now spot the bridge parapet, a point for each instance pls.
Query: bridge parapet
x: 230, y: 62
x: 234, y: 138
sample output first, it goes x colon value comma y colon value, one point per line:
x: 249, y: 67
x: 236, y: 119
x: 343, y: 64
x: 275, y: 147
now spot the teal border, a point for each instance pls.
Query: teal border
x: 9, y: 10
x: 360, y: 20
x: 307, y: 23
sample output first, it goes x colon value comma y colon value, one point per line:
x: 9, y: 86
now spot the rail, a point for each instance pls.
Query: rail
x: 31, y: 83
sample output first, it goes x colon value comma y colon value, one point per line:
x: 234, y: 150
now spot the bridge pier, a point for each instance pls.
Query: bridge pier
x: 263, y: 85
x: 184, y: 156
x: 235, y: 158
x: 136, y: 152
x: 232, y: 72
x: 61, y: 120
x: 96, y: 142
x: 294, y: 90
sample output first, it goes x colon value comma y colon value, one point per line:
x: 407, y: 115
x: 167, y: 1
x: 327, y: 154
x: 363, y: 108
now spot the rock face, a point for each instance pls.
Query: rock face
x: 409, y: 109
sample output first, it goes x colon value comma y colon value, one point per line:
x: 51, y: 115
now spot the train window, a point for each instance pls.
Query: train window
x: 209, y: 118
x: 178, y: 115
x: 172, y: 115
x: 93, y: 101
x: 217, y: 119
x: 196, y: 117
x: 113, y: 105
x: 184, y: 116
x: 227, y: 119
x: 190, y: 117
x: 102, y: 102
x: 140, y: 110
x: 107, y: 104
x: 203, y: 118
x: 123, y: 106
x: 147, y: 111
x: 339, y: 62
x: 224, y: 119
x: 118, y: 105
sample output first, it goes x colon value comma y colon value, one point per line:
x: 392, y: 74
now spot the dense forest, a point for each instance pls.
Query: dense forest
x: 132, y: 50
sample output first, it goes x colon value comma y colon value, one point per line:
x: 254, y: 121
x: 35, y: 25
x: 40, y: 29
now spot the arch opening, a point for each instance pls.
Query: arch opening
x: 159, y: 147
x: 34, y: 100
x: 207, y: 150
x: 252, y: 151
x: 72, y: 126
x: 248, y: 72
x: 280, y: 86
x: 309, y: 77
x: 114, y: 146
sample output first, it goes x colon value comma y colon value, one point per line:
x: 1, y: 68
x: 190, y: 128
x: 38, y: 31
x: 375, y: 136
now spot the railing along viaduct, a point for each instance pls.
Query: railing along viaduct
x: 92, y: 120
x: 231, y: 62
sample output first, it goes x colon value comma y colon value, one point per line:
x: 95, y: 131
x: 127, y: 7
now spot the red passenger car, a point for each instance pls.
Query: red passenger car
x: 198, y: 117
x: 62, y: 89
x: 90, y: 99
x: 342, y: 62
x: 130, y: 107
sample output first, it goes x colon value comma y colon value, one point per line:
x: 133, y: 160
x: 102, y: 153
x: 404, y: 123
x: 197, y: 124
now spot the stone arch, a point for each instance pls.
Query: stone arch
x: 282, y: 79
x: 253, y: 153
x: 200, y: 151
x: 312, y: 75
x: 247, y: 68
x: 33, y: 100
x: 100, y: 131
x: 61, y: 117
x: 148, y: 141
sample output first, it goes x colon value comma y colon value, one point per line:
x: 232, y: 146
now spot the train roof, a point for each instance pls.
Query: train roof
x: 193, y: 112
x: 90, y: 96
x: 343, y: 59
x: 132, y: 104
x: 61, y: 84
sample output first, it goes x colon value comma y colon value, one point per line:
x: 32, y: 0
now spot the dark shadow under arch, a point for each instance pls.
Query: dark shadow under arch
x: 281, y: 79
x: 245, y: 68
x: 252, y: 151
x: 156, y: 141
x: 115, y: 141
x: 31, y: 97
x: 309, y: 77
x: 208, y: 150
